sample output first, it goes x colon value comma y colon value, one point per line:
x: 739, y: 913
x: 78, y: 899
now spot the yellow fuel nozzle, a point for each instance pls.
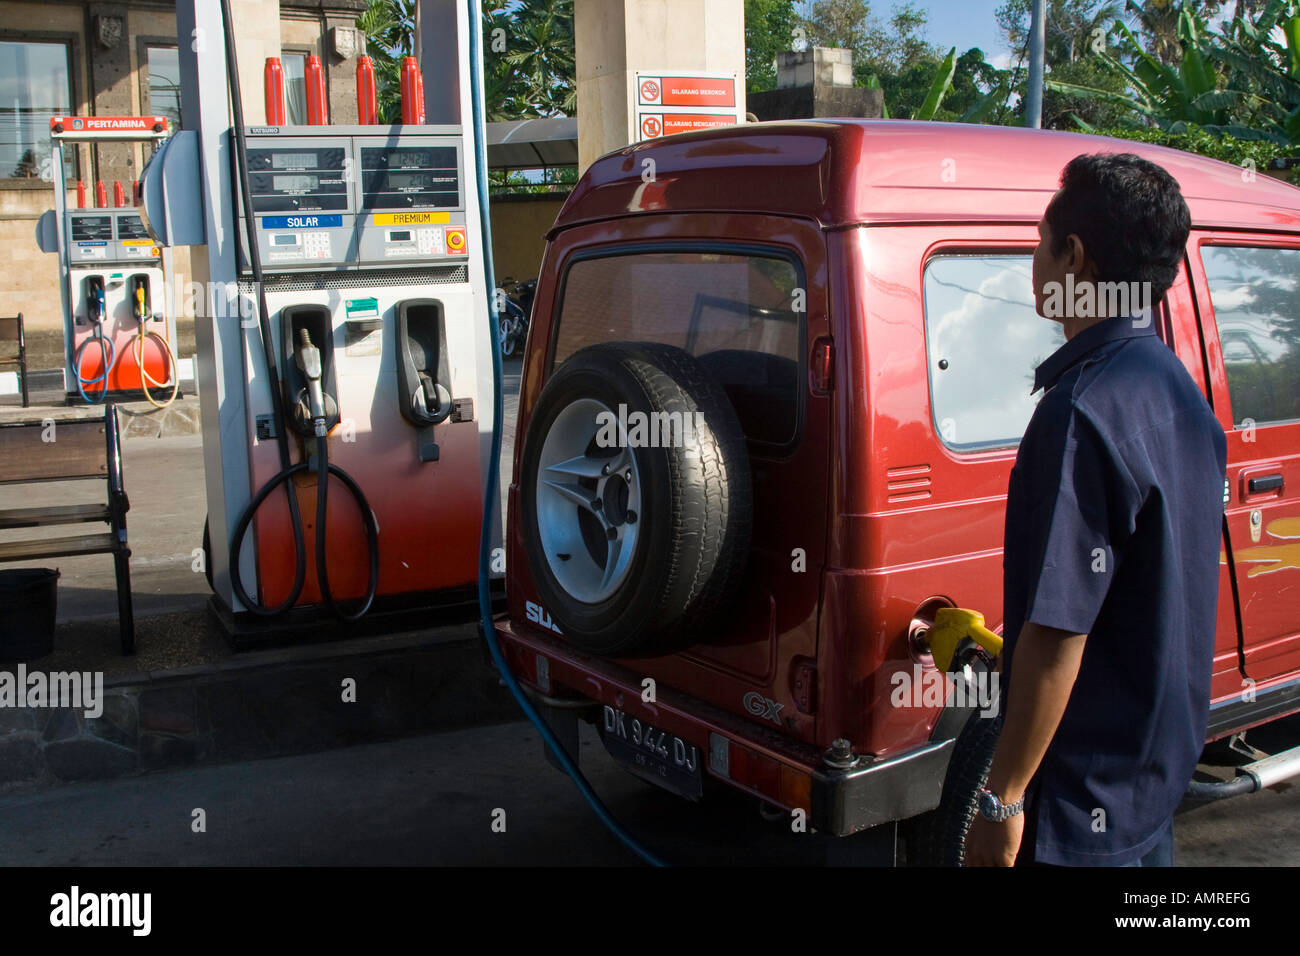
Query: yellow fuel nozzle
x: 951, y: 626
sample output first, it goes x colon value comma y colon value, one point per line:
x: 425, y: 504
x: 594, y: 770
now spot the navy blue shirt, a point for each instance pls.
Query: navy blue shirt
x: 1113, y: 529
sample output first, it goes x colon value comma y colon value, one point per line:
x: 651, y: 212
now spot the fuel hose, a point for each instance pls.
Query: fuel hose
x: 106, y: 349
x: 287, y: 471
x: 494, y: 464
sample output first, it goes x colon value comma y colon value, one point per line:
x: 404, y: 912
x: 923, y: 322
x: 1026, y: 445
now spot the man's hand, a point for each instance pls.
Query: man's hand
x: 1047, y: 663
x: 994, y: 844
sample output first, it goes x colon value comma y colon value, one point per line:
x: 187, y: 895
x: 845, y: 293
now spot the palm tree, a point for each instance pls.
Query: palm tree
x: 540, y: 55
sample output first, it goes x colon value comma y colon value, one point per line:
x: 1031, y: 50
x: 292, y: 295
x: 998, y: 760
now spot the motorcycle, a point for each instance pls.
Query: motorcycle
x: 517, y: 305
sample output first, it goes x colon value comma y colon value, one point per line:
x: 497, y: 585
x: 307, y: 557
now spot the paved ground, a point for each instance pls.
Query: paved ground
x: 431, y: 800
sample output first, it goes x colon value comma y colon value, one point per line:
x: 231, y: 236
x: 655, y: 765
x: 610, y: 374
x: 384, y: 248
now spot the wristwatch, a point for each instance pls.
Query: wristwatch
x: 992, y: 808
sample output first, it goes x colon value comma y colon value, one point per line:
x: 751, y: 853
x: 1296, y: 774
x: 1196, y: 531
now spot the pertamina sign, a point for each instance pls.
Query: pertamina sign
x: 674, y: 102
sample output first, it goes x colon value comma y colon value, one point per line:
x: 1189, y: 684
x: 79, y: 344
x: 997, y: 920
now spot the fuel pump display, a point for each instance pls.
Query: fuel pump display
x: 119, y: 320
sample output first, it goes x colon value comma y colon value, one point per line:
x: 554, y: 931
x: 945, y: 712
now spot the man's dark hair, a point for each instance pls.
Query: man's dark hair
x: 1129, y: 214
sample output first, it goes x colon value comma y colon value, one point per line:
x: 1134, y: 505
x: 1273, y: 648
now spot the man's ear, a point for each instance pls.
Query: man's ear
x: 1076, y: 258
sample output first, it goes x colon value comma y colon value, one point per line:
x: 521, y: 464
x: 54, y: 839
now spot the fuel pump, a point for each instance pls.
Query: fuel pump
x: 355, y: 353
x: 119, y: 317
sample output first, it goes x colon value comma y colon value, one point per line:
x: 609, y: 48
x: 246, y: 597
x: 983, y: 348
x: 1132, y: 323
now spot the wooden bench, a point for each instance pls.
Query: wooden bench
x: 68, y: 449
x: 13, y: 350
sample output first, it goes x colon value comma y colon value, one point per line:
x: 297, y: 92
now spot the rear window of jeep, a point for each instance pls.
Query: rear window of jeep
x: 741, y: 315
x: 983, y: 341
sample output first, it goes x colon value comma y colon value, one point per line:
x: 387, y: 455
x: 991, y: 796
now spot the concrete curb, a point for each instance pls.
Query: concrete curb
x: 139, y: 419
x: 254, y: 705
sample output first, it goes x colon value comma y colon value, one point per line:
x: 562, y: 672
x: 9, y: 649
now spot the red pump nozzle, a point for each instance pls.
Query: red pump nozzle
x: 119, y: 194
x: 101, y: 195
x: 274, y: 85
x: 317, y: 104
x: 81, y: 194
x: 367, y: 92
x: 412, y: 93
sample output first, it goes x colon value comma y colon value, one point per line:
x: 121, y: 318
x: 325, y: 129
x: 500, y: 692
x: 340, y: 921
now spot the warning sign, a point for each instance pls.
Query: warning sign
x: 665, y: 103
x: 666, y: 124
x: 688, y: 91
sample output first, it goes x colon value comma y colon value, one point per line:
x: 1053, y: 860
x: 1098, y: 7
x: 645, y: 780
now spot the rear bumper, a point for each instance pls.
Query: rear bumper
x: 892, y: 789
x: 751, y: 758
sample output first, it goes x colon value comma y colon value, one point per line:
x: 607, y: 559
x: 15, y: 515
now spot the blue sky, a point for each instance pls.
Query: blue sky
x: 959, y: 23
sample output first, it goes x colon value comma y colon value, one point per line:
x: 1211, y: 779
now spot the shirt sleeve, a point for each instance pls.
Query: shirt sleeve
x: 1081, y: 515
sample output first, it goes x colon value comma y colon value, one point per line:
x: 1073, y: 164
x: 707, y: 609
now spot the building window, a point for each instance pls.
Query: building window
x: 34, y: 86
x: 295, y: 88
x: 984, y: 341
x: 164, y: 68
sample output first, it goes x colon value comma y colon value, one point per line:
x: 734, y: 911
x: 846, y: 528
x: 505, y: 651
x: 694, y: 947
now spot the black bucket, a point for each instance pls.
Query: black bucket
x: 28, y: 608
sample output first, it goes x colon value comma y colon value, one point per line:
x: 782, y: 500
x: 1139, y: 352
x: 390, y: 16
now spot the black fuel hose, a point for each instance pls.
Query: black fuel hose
x: 287, y: 470
x: 324, y: 468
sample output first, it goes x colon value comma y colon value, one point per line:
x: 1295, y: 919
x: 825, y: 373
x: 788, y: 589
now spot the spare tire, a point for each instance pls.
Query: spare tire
x: 635, y: 499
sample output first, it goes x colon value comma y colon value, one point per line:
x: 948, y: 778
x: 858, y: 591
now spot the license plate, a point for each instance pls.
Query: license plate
x: 653, y: 754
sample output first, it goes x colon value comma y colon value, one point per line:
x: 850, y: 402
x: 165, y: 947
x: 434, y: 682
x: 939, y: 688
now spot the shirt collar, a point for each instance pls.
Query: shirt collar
x: 1050, y: 370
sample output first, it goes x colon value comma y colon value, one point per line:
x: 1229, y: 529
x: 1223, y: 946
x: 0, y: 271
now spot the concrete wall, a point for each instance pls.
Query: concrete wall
x: 519, y: 225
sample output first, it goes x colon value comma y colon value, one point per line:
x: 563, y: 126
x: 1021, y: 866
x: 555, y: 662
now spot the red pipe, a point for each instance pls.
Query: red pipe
x: 81, y: 194
x: 367, y: 92
x: 274, y: 87
x: 101, y: 195
x: 412, y: 93
x: 317, y: 104
x: 119, y: 194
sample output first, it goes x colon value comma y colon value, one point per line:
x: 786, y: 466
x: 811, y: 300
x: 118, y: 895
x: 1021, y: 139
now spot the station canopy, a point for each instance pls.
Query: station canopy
x: 533, y: 143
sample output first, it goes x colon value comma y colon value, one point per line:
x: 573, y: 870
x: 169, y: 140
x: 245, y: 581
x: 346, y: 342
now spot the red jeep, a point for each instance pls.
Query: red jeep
x: 771, y: 397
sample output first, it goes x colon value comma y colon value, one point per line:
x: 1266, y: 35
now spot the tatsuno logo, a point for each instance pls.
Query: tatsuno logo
x: 539, y: 615
x: 77, y: 909
x: 760, y: 706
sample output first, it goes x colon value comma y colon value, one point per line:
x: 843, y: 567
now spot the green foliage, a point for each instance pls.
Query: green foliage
x: 528, y: 56
x: 1253, y: 154
x: 1178, y: 72
x: 389, y: 26
x: 513, y: 182
x: 769, y: 30
x: 939, y: 86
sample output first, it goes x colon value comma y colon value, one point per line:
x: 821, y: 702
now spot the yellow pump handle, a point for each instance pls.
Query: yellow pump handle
x: 951, y: 626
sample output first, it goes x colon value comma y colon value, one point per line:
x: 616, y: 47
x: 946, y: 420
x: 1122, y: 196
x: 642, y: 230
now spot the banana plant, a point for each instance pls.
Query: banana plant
x: 1241, y: 81
x: 940, y: 87
x: 1265, y: 71
x: 1167, y: 94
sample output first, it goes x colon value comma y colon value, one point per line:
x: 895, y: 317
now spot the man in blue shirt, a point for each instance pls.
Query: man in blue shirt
x: 1111, y: 556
